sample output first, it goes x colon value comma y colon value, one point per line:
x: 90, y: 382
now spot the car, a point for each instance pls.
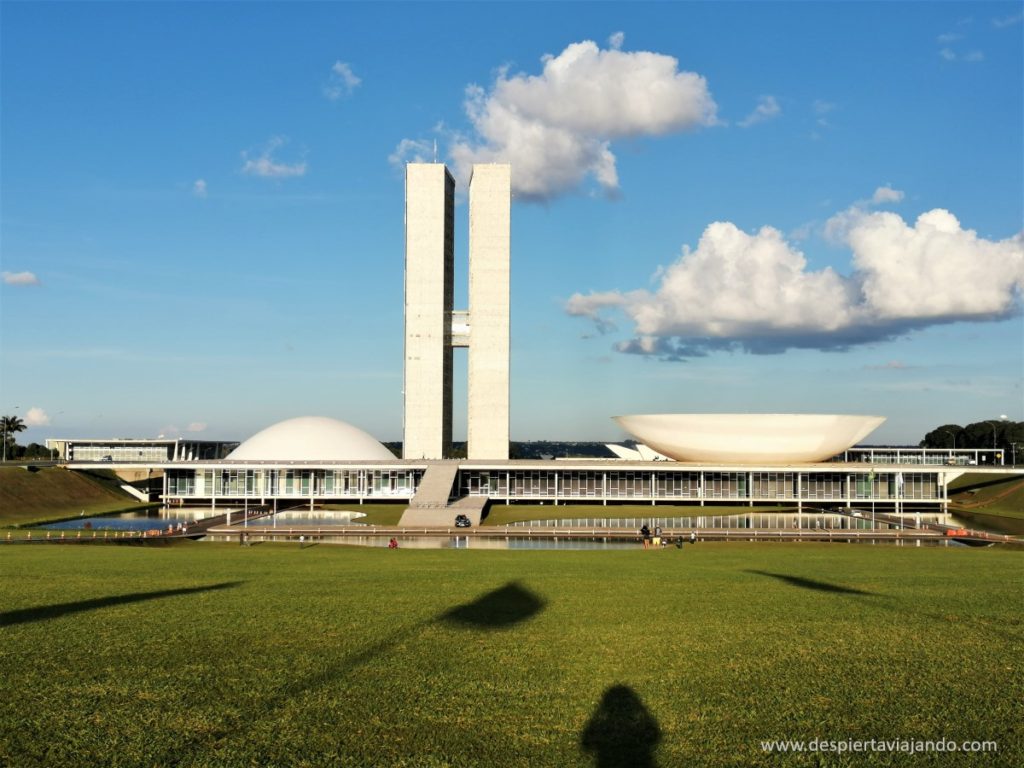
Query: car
x: 857, y: 513
x: 461, y: 521
x: 107, y: 458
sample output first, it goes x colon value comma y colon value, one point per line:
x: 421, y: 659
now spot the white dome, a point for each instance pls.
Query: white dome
x: 311, y: 438
x: 749, y: 438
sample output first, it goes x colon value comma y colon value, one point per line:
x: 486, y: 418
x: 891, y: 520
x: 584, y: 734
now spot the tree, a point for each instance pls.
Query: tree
x: 10, y: 425
x: 999, y: 434
x: 946, y: 436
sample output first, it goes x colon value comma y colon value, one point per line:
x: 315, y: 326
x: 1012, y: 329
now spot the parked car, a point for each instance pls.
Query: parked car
x: 461, y: 521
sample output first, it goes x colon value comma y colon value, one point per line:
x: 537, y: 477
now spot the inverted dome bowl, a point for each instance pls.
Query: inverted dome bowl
x: 749, y: 438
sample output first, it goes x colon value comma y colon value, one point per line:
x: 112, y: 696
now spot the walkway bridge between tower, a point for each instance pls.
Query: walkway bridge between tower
x: 435, y: 504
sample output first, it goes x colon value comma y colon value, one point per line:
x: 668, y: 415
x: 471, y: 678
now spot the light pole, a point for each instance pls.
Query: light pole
x: 1002, y: 419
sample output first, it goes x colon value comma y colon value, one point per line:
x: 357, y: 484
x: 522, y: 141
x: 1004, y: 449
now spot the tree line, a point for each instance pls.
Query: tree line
x: 1004, y: 435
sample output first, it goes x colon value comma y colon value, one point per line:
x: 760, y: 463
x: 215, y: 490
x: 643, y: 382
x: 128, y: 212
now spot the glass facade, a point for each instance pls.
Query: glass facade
x: 291, y: 483
x: 557, y: 484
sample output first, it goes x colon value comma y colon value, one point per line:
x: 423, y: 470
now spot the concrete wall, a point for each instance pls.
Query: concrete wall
x: 429, y: 262
x: 490, y: 200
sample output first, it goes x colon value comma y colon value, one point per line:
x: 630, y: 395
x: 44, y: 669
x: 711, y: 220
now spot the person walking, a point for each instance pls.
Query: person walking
x: 645, y: 534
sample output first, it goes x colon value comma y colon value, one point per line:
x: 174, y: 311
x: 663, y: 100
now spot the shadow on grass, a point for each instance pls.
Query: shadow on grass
x: 622, y: 733
x: 818, y: 586
x: 502, y: 607
x: 44, y: 612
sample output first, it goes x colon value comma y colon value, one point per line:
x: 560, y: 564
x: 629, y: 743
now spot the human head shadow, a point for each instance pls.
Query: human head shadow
x: 499, y: 608
x: 819, y: 586
x: 622, y: 733
x: 44, y: 612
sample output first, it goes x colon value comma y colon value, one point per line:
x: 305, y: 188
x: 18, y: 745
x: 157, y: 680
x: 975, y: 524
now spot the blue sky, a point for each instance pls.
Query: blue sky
x: 717, y: 209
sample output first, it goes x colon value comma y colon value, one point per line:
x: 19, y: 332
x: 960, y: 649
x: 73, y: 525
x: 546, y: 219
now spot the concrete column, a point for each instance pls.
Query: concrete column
x: 490, y: 201
x: 429, y: 288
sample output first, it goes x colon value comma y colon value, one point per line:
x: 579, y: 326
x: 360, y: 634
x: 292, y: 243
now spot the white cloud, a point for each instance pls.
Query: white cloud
x: 19, y: 278
x: 886, y: 194
x: 1008, y: 21
x: 196, y: 426
x: 265, y: 165
x: 199, y: 188
x: 343, y: 81
x: 838, y: 226
x: 556, y: 128
x: 755, y: 292
x: 767, y: 109
x: 36, y: 417
x: 949, y: 37
x: 616, y: 40
x: 413, y: 151
x: 951, y: 55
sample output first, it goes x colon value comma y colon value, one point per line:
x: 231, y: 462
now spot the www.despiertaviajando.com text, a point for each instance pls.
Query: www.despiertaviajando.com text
x: 903, y: 746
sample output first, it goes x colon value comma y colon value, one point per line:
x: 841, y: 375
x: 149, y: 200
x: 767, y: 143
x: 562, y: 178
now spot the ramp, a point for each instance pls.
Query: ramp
x: 432, y: 505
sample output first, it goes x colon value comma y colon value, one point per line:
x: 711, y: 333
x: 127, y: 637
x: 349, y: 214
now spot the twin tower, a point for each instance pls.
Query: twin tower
x: 433, y: 327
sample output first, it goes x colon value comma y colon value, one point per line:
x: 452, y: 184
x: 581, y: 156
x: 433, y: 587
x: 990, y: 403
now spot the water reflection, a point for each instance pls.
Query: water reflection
x: 313, y: 519
x: 143, y: 520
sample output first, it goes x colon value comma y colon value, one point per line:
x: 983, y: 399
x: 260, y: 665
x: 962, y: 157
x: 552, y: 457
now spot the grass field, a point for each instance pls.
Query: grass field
x: 217, y: 655
x: 52, y: 493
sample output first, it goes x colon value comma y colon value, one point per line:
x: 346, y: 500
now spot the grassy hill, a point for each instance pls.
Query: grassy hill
x: 50, y: 494
x: 983, y: 494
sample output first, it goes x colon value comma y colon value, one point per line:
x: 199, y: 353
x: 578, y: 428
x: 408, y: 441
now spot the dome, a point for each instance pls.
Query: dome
x: 749, y: 438
x: 311, y: 438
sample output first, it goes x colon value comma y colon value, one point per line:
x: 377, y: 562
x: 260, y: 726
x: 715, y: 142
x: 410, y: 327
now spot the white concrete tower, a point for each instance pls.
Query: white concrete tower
x: 429, y: 289
x: 490, y: 202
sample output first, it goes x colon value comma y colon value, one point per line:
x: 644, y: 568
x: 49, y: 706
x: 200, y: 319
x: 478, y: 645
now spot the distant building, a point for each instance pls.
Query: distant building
x: 142, y: 450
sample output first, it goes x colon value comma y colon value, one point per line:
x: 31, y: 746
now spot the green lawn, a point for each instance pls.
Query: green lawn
x: 219, y: 655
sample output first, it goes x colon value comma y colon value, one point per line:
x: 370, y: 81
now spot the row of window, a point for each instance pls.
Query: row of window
x: 565, y: 484
x: 575, y: 484
x: 304, y: 483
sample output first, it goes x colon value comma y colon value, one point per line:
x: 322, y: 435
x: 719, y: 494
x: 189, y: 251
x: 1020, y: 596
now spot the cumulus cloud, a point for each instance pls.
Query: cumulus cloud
x: 755, y: 292
x: 837, y: 227
x: 196, y: 426
x: 767, y: 109
x: 413, y: 151
x: 19, y: 278
x: 265, y: 165
x: 616, y: 40
x: 343, y: 81
x: 199, y: 188
x: 556, y: 128
x: 36, y: 417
